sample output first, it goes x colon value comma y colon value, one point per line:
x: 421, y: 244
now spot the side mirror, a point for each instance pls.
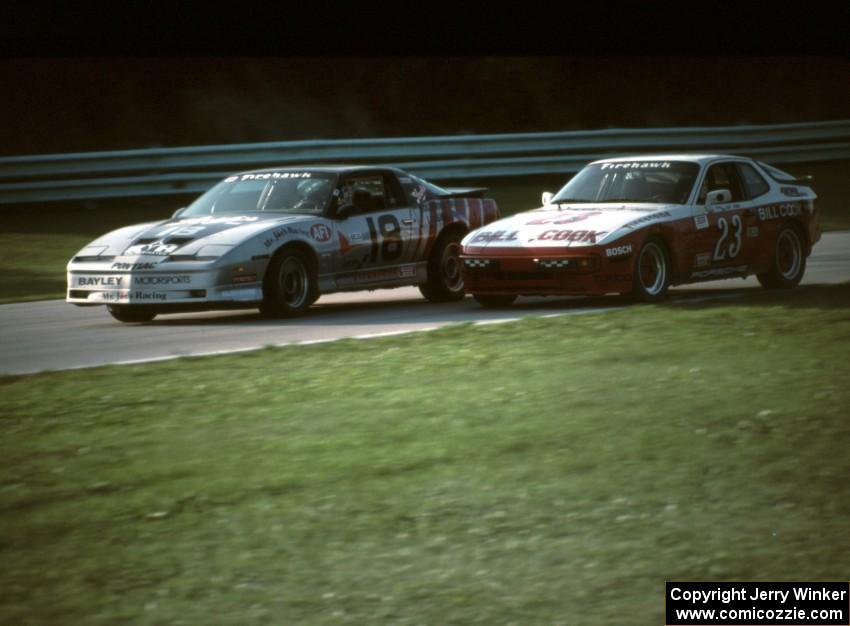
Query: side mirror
x: 178, y: 212
x: 547, y: 198
x: 718, y: 196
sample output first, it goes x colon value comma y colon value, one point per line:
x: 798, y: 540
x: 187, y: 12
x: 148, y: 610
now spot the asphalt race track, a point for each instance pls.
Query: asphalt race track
x: 53, y: 335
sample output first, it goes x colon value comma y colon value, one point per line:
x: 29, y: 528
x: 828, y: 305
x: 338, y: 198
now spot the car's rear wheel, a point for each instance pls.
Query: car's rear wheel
x: 290, y: 285
x: 494, y: 301
x: 788, y: 263
x: 651, y: 274
x: 445, y: 281
x: 129, y: 313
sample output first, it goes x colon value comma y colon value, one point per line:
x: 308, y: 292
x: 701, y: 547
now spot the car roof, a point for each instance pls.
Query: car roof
x: 333, y: 169
x: 693, y: 158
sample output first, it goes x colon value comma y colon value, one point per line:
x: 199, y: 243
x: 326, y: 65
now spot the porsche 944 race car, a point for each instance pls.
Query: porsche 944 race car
x: 636, y: 225
x: 278, y: 238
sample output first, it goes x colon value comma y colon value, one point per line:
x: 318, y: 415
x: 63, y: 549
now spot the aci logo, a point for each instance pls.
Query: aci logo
x: 320, y: 232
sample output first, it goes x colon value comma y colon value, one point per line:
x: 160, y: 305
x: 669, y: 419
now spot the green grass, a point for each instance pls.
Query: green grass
x: 550, y: 471
x: 37, y: 242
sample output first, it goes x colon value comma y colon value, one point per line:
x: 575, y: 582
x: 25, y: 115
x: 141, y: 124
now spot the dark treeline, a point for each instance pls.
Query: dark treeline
x: 67, y: 105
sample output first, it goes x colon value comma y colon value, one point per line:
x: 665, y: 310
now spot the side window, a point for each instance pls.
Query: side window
x: 393, y: 194
x: 372, y: 193
x: 364, y: 192
x: 721, y: 176
x: 754, y: 184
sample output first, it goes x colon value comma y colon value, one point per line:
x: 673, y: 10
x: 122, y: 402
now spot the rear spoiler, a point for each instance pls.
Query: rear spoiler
x: 785, y: 178
x: 805, y: 181
x: 465, y: 192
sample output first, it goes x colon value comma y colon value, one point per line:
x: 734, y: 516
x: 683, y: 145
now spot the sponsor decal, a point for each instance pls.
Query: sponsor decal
x: 100, y: 281
x: 793, y: 192
x: 356, y: 236
x: 153, y: 249
x: 585, y: 236
x: 569, y: 219
x: 111, y: 296
x: 275, y: 175
x: 133, y: 266
x: 148, y: 295
x: 642, y: 165
x: 320, y: 232
x: 247, y: 278
x: 703, y: 259
x: 646, y: 219
x: 719, y: 272
x: 752, y: 232
x: 701, y: 221
x: 775, y: 211
x: 280, y: 233
x: 498, y: 235
x: 407, y: 271
x: 369, y: 276
x: 183, y: 279
x: 619, y: 250
x: 124, y: 296
x: 420, y: 194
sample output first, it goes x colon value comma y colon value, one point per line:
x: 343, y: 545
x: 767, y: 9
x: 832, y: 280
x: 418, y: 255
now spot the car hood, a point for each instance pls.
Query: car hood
x: 573, y: 226
x: 187, y: 234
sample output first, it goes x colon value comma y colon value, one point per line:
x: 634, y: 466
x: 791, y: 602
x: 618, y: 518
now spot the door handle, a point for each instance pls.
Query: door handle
x: 407, y: 221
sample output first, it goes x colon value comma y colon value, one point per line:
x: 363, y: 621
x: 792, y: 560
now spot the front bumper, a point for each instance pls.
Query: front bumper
x: 181, y: 284
x: 579, y: 272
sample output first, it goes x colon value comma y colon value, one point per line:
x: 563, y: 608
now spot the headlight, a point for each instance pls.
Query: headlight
x: 214, y: 250
x: 209, y: 252
x: 92, y: 253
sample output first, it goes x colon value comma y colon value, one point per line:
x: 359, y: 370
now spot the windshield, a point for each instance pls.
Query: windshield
x: 667, y: 182
x: 272, y: 192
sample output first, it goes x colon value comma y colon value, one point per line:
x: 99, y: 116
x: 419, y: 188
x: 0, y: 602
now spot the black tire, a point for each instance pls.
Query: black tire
x: 493, y: 301
x: 789, y: 260
x: 651, y: 272
x: 130, y: 314
x: 290, y: 285
x: 445, y: 280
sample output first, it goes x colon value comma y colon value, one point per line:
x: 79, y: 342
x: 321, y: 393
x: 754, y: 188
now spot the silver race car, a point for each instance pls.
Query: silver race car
x: 279, y: 238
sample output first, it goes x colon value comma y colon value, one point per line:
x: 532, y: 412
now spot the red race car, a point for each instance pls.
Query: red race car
x: 636, y: 225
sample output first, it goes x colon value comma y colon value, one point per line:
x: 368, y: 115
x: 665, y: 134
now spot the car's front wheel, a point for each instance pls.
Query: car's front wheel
x: 651, y: 274
x: 129, y: 313
x: 290, y: 286
x: 445, y: 281
x: 788, y: 263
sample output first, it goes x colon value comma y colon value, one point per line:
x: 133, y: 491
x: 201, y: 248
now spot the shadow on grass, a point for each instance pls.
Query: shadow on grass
x: 805, y: 297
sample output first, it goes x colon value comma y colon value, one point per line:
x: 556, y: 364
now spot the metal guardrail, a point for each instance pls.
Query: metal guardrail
x: 168, y: 171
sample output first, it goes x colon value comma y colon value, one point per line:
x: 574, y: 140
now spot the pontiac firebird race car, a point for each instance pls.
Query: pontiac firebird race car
x: 278, y: 238
x: 636, y: 225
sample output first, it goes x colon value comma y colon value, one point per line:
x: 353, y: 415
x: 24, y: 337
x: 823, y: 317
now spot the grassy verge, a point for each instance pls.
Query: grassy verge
x: 36, y: 243
x: 550, y: 471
